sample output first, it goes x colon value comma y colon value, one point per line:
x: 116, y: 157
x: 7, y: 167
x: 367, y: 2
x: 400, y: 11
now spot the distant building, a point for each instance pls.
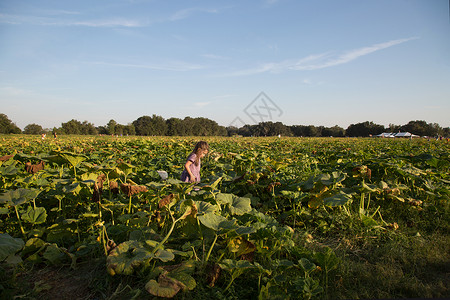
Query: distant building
x: 396, y: 135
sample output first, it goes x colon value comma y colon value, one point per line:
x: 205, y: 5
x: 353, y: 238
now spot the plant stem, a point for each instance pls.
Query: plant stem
x: 231, y: 282
x: 210, y: 249
x: 20, y: 222
x: 129, y: 205
x: 167, y: 235
x: 104, y: 240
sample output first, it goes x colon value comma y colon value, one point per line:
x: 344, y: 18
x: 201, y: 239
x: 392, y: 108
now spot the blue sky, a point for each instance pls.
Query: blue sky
x: 317, y: 62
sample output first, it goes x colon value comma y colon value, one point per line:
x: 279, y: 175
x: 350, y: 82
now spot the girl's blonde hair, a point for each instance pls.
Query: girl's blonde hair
x: 199, y: 147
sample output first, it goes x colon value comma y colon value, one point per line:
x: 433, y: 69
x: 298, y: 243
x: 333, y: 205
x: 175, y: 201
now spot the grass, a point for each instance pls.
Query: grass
x: 402, y: 267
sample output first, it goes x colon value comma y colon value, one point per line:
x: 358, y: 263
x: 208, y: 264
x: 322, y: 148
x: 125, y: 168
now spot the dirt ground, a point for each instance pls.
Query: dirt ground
x: 54, y: 283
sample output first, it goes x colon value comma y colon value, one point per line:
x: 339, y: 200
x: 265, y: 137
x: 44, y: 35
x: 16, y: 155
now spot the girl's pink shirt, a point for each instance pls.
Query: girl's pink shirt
x: 194, y: 169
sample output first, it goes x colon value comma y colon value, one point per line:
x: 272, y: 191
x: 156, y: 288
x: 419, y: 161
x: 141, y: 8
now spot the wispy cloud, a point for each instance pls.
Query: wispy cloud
x: 60, y: 18
x: 10, y: 91
x: 224, y: 96
x: 334, y: 60
x: 56, y: 12
x: 170, y: 66
x: 268, y: 3
x: 214, y: 56
x: 185, y: 13
x: 319, y: 61
x: 54, y: 21
x: 202, y: 104
x: 115, y: 22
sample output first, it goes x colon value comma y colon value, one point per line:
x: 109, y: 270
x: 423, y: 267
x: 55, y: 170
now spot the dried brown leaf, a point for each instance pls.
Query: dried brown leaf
x: 166, y: 200
x: 34, y: 168
x: 213, y: 273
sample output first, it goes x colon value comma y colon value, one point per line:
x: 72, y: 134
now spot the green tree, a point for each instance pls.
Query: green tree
x: 102, y: 130
x: 154, y: 125
x: 188, y: 124
x: 71, y: 127
x: 298, y: 130
x: 313, y: 131
x: 334, y: 131
x: 232, y: 130
x: 111, y: 127
x: 33, y: 129
x: 129, y: 129
x: 422, y: 128
x: 7, y: 126
x: 446, y: 132
x: 394, y: 128
x: 175, y: 127
x: 88, y: 128
x: 125, y: 129
x: 245, y: 130
x: 364, y: 129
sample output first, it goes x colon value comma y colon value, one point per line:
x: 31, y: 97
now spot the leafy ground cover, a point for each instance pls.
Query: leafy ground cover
x: 274, y: 218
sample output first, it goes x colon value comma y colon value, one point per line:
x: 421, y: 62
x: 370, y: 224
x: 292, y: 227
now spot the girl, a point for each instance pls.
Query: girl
x: 191, y: 172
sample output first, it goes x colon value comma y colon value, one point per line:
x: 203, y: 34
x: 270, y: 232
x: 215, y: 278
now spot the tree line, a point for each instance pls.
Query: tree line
x: 158, y: 126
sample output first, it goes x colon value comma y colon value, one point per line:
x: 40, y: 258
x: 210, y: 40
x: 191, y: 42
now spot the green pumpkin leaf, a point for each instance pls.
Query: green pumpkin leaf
x: 36, y: 215
x: 240, y: 206
x: 216, y: 222
x: 306, y: 265
x: 237, y: 205
x: 53, y: 254
x: 19, y: 196
x: 126, y: 257
x: 164, y: 255
x: 205, y: 207
x: 73, y: 188
x: 187, y: 280
x: 336, y: 200
x: 9, y: 245
x: 33, y: 245
x: 72, y: 158
x: 166, y: 288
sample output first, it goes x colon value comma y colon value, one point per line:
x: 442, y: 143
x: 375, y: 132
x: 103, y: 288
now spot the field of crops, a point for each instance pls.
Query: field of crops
x: 273, y: 218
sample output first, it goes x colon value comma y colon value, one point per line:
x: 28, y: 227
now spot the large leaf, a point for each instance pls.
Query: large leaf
x: 216, y: 222
x: 89, y: 177
x: 19, y: 196
x: 242, y: 230
x: 241, y: 246
x: 230, y: 264
x: 33, y: 245
x: 237, y: 205
x: 240, y: 206
x: 165, y: 287
x: 164, y: 255
x: 187, y: 280
x: 306, y: 265
x: 9, y: 245
x: 73, y: 158
x: 224, y: 198
x: 57, y: 159
x: 126, y: 257
x: 54, y: 254
x: 336, y: 200
x: 205, y: 207
x: 126, y: 168
x: 73, y: 188
x: 10, y: 170
x: 36, y: 215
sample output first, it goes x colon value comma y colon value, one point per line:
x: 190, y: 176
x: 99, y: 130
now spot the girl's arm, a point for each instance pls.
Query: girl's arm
x: 191, y: 176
